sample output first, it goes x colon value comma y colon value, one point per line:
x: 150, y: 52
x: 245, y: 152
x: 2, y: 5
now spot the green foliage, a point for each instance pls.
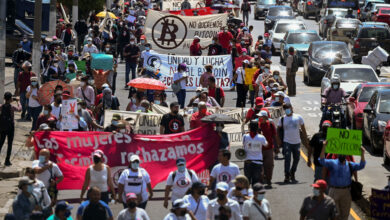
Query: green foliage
x: 85, y: 6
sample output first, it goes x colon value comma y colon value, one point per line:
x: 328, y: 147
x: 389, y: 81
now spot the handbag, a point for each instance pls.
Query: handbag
x: 356, y: 187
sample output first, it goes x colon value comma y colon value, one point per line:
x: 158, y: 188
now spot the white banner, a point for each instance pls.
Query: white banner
x: 168, y: 33
x: 222, y: 68
x: 175, y: 5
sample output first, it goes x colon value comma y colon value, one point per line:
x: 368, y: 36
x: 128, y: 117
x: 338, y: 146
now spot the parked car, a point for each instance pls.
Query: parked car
x: 262, y: 7
x: 307, y: 8
x: 328, y: 16
x: 300, y: 40
x: 376, y: 114
x: 344, y: 29
x: 370, y: 35
x: 365, y: 10
x: 358, y: 101
x: 383, y: 15
x: 386, y: 147
x: 276, y: 13
x: 374, y: 10
x: 281, y: 27
x: 319, y: 58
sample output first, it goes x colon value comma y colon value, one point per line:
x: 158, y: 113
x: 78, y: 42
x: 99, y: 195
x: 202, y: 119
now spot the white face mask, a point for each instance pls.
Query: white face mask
x: 316, y: 192
x: 122, y: 130
x: 132, y: 42
x: 82, y: 84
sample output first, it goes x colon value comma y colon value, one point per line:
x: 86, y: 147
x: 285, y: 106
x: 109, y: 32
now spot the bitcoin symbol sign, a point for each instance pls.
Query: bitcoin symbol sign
x: 169, y: 32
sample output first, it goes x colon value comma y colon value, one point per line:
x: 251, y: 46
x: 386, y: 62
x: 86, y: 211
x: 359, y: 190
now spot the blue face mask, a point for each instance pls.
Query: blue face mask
x: 42, y: 159
x: 276, y: 77
x: 277, y: 99
x: 45, y: 112
x: 134, y: 166
x: 115, y: 123
x: 260, y: 197
x: 147, y: 48
x: 335, y: 86
x: 288, y: 111
x: 30, y: 188
x: 157, y: 102
x: 181, y: 168
x: 34, y: 83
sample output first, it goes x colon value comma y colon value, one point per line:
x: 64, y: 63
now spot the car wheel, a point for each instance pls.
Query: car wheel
x: 386, y: 160
x: 372, y: 143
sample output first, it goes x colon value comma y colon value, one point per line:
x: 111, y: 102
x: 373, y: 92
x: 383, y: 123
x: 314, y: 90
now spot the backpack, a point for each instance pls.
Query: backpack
x: 295, y: 64
x: 6, y: 118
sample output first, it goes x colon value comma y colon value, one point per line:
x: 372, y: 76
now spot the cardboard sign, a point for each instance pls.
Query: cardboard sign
x: 249, y: 72
x: 380, y: 204
x: 68, y: 109
x: 343, y: 141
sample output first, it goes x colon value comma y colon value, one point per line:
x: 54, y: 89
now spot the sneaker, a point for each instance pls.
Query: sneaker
x: 7, y: 163
x: 286, y: 179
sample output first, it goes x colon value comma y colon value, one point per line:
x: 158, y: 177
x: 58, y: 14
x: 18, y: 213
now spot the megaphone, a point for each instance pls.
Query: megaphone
x: 240, y: 154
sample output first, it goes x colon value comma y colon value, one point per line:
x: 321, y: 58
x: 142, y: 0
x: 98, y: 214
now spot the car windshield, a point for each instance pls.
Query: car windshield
x: 280, y: 12
x: 356, y: 75
x: 385, y: 11
x: 266, y: 2
x: 302, y: 38
x: 283, y: 28
x: 347, y: 23
x: 384, y: 104
x: 367, y: 92
x: 338, y: 13
x: 324, y: 51
x: 378, y: 33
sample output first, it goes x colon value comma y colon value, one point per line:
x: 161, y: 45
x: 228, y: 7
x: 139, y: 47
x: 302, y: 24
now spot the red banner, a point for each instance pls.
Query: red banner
x: 73, y: 152
x: 190, y: 12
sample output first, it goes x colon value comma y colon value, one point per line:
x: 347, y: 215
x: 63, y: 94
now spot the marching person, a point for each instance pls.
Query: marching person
x: 223, y: 200
x: 340, y: 180
x: 225, y: 171
x: 180, y: 78
x: 99, y: 175
x: 89, y: 48
x: 204, y: 78
x: 292, y: 124
x: 7, y: 125
x: 246, y: 10
x: 86, y: 92
x: 24, y: 80
x: 131, y: 52
x: 180, y: 211
x: 291, y: 71
x: 257, y: 208
x: 179, y: 181
x: 253, y: 144
x: 172, y: 122
x: 25, y: 202
x: 216, y: 92
x: 252, y: 113
x: 94, y: 207
x: 239, y: 79
x: 62, y: 211
x: 132, y: 211
x: 137, y: 180
x: 318, y: 205
x: 34, y: 107
x: 241, y: 190
x: 40, y: 193
x: 195, y: 120
x: 197, y: 200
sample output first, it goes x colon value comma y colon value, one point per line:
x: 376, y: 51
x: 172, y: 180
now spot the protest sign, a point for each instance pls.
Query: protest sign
x: 175, y: 5
x: 68, y: 111
x: 167, y: 64
x: 102, y: 61
x: 193, y: 12
x: 73, y: 152
x: 80, y: 65
x: 249, y: 72
x: 380, y: 204
x: 343, y: 141
x: 174, y: 34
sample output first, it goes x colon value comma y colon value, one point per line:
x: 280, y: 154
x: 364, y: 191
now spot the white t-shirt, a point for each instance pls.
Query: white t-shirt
x: 179, y: 75
x: 56, y: 110
x: 40, y: 194
x: 181, y: 183
x: 254, y: 146
x: 33, y: 103
x: 212, y: 209
x: 240, y: 200
x: 198, y: 210
x: 138, y: 182
x: 240, y: 75
x: 291, y: 126
x: 225, y: 173
x: 139, y: 214
x: 45, y: 175
x: 249, y: 210
x: 172, y: 216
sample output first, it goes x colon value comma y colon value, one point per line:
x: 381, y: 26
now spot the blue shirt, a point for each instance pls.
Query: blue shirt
x: 266, y: 55
x: 83, y: 207
x: 26, y: 46
x: 340, y: 175
x: 22, y: 207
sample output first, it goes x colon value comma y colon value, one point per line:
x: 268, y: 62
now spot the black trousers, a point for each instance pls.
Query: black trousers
x: 10, y: 137
x: 241, y: 95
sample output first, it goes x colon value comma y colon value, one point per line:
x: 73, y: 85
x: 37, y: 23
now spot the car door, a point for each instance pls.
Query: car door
x: 369, y: 114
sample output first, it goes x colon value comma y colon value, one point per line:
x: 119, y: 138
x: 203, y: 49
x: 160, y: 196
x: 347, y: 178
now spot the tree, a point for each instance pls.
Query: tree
x: 85, y: 6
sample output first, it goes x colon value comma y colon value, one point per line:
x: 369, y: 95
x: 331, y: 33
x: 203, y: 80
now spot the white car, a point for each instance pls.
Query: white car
x: 281, y: 27
x: 351, y: 75
x: 344, y: 29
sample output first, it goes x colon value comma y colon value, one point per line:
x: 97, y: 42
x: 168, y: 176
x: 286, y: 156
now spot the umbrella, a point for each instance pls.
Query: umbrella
x: 102, y: 14
x: 46, y: 92
x: 147, y: 83
x: 220, y: 118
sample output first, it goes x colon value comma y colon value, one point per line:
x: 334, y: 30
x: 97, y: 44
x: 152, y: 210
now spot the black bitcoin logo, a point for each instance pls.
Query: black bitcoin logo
x: 169, y: 32
x: 154, y: 61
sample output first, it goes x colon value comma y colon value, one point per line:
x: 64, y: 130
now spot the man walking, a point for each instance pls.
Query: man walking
x: 246, y: 10
x: 292, y: 68
x: 173, y: 122
x: 131, y: 52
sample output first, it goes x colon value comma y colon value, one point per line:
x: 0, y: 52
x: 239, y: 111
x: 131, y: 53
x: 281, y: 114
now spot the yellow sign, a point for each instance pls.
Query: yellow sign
x: 249, y: 72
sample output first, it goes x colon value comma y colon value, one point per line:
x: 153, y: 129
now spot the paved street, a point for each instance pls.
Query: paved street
x: 285, y: 200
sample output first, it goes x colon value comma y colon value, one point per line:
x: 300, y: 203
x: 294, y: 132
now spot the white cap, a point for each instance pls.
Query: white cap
x: 246, y: 61
x: 262, y: 113
x: 223, y: 186
x: 89, y: 39
x: 196, y: 37
x: 134, y: 157
x: 179, y: 204
x: 280, y: 93
x: 105, y: 85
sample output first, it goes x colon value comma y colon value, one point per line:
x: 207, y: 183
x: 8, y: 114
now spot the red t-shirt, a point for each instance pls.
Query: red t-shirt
x: 252, y: 115
x: 224, y: 39
x: 195, y: 120
x: 98, y: 98
x: 213, y: 91
x: 269, y: 132
x: 24, y: 80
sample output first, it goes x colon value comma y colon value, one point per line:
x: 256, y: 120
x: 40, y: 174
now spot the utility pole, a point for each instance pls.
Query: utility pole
x: 108, y: 5
x: 53, y: 18
x: 36, y: 52
x: 3, y: 25
x: 75, y: 18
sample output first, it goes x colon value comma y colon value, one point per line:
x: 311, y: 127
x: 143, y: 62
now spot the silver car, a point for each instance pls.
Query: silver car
x: 344, y: 29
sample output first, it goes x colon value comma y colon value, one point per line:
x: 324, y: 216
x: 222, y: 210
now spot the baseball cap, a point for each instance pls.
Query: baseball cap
x: 262, y: 113
x: 134, y: 157
x: 266, y: 35
x: 181, y: 161
x: 130, y: 196
x: 179, y: 204
x: 279, y: 93
x: 196, y: 37
x: 327, y: 123
x: 25, y: 181
x: 222, y: 186
x: 63, y: 205
x: 143, y: 37
x: 199, y: 89
x: 116, y: 117
x: 258, y: 187
x: 89, y: 39
x: 320, y: 184
x: 259, y: 101
x: 44, y: 127
x: 105, y: 85
x: 34, y: 78
x: 98, y: 153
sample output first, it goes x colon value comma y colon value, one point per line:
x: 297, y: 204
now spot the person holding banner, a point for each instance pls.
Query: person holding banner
x: 216, y: 92
x: 137, y: 180
x: 172, y: 122
x: 204, y: 78
x: 340, y: 180
x: 224, y: 38
x: 195, y: 121
x: 196, y: 48
x: 180, y: 79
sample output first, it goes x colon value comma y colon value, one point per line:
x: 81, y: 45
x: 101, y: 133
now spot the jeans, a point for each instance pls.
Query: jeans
x: 291, y: 86
x: 253, y: 172
x: 241, y: 95
x: 294, y: 149
x: 24, y: 103
x: 181, y: 97
x: 133, y: 68
x: 35, y: 114
x: 268, y: 162
x: 10, y: 137
x: 245, y: 17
